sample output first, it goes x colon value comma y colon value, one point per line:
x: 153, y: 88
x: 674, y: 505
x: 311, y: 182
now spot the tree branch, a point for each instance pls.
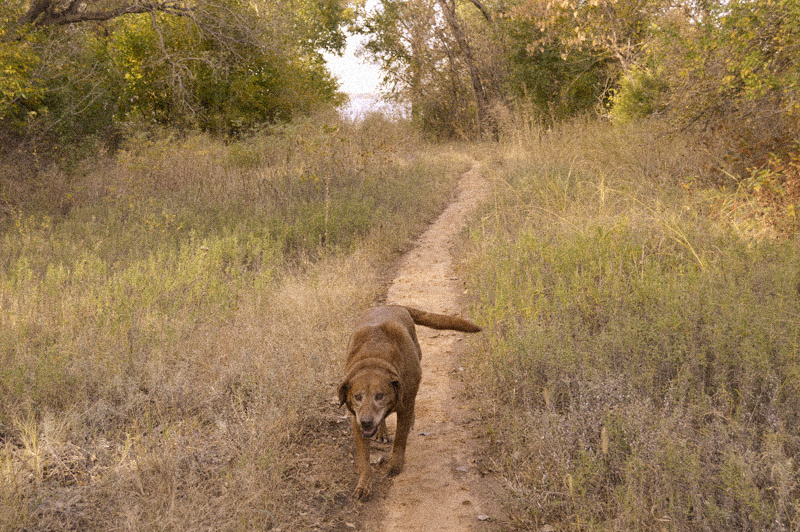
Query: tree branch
x: 52, y: 12
x: 486, y: 13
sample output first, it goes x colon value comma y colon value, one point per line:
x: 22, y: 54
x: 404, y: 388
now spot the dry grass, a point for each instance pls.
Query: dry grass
x: 639, y: 370
x: 213, y: 425
x: 172, y: 323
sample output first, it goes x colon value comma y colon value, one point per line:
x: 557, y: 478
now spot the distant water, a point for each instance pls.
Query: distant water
x: 361, y: 104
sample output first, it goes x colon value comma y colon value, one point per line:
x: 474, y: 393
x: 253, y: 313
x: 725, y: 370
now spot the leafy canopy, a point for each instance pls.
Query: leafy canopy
x: 71, y: 68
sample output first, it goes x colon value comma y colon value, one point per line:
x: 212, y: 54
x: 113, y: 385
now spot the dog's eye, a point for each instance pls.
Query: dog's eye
x: 358, y: 397
x: 378, y: 396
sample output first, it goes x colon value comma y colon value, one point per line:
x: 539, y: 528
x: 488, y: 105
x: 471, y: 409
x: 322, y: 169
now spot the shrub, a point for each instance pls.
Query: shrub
x: 638, y: 95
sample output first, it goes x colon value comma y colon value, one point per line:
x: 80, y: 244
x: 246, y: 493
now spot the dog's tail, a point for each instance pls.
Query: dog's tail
x: 441, y: 321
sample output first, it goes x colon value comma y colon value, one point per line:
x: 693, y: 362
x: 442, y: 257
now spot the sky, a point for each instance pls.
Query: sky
x: 356, y: 75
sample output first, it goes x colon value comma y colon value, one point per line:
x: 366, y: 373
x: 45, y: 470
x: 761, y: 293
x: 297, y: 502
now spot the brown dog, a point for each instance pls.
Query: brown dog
x: 382, y: 376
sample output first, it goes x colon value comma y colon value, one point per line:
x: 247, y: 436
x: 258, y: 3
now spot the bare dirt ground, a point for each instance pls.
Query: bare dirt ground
x: 443, y: 486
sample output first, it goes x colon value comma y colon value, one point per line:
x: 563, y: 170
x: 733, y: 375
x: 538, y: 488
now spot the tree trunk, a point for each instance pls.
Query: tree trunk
x: 485, y: 122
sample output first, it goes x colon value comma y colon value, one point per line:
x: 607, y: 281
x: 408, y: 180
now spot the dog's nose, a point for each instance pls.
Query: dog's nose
x: 367, y: 424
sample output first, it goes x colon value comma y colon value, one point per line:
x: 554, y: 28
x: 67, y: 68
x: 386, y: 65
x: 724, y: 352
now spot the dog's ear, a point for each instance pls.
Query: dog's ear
x: 344, y: 388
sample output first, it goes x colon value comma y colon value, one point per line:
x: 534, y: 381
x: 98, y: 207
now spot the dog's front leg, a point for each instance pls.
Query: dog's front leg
x: 364, y: 486
x: 405, y: 420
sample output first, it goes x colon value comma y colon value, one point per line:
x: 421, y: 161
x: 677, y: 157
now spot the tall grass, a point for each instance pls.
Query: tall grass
x: 172, y: 320
x: 640, y: 369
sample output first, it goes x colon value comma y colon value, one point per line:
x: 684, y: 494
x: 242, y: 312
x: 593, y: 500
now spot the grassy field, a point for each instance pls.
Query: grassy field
x: 173, y: 321
x: 641, y: 363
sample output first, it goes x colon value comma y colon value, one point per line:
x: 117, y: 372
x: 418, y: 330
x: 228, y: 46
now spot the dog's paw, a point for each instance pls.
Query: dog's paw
x: 382, y: 436
x: 395, y: 466
x: 363, y: 490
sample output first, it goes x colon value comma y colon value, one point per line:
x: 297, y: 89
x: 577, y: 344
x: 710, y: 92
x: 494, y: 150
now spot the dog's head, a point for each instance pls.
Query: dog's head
x: 370, y: 393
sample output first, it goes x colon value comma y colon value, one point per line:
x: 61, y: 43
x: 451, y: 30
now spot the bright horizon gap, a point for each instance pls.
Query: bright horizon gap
x: 356, y: 75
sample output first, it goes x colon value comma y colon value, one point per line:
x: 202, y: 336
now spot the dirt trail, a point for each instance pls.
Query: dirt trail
x: 440, y: 487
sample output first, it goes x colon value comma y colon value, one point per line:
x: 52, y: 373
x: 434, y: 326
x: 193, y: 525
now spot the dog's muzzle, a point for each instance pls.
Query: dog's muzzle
x: 369, y: 428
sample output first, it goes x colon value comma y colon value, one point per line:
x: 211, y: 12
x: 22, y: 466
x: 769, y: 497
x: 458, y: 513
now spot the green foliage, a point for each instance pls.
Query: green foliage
x: 216, y: 91
x: 638, y: 95
x: 18, y: 61
x: 502, y: 52
x: 760, y: 41
x: 573, y: 54
x: 559, y: 86
x: 229, y: 67
x: 417, y: 54
x: 730, y: 69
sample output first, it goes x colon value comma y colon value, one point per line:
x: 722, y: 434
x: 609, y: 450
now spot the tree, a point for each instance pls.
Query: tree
x: 409, y: 41
x: 615, y: 29
x: 543, y: 79
x: 481, y: 85
x: 429, y: 58
x: 726, y: 69
x: 79, y: 67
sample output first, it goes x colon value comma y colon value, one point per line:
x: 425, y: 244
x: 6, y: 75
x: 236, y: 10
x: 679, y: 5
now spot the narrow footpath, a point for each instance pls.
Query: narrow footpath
x: 441, y: 488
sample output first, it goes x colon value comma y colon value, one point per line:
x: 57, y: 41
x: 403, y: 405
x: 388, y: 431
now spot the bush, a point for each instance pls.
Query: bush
x: 638, y: 95
x: 227, y: 68
x: 733, y: 76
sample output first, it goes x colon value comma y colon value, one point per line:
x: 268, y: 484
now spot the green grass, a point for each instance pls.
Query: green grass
x: 641, y: 362
x: 173, y: 318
